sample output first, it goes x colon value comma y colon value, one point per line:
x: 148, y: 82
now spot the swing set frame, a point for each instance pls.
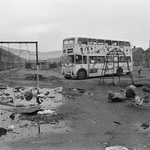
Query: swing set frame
x: 27, y: 42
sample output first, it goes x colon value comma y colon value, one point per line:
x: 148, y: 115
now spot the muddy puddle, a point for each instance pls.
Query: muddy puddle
x: 17, y: 124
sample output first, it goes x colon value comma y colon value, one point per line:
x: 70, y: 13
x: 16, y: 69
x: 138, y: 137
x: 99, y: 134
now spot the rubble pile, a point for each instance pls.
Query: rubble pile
x: 34, y: 77
x: 42, y: 118
x: 41, y: 77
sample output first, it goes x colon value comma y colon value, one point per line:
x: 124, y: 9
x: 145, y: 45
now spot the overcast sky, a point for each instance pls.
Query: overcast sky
x: 50, y: 21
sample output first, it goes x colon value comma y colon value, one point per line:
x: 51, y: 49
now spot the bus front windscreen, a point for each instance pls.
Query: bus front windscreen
x: 68, y: 59
x: 71, y: 59
x: 69, y: 41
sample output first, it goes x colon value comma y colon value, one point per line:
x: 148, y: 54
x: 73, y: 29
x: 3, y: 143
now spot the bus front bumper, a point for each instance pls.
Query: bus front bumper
x: 70, y: 76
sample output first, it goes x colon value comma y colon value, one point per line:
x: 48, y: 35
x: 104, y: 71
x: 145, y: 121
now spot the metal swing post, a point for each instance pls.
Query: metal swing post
x: 113, y: 69
x: 101, y: 80
x: 118, y: 63
x: 37, y: 67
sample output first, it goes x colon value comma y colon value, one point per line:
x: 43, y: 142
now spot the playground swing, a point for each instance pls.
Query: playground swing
x: 115, y: 55
x: 15, y: 107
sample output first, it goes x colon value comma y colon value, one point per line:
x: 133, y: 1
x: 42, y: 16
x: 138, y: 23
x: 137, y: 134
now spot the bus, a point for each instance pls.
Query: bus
x: 84, y: 57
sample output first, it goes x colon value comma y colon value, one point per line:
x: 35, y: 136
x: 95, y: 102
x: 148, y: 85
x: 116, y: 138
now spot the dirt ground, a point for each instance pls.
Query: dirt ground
x: 95, y: 123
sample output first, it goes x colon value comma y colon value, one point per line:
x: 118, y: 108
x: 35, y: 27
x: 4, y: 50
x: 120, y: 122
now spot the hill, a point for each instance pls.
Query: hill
x: 32, y: 55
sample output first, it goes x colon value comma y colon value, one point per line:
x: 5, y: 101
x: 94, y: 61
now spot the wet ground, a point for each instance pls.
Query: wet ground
x: 19, y: 125
x: 84, y: 119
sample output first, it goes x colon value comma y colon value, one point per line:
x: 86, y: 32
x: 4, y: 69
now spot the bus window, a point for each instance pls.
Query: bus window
x: 71, y: 41
x: 122, y: 58
x: 109, y: 58
x: 115, y: 58
x: 84, y: 59
x: 128, y: 58
x: 71, y: 58
x: 115, y: 43
x: 127, y: 44
x: 65, y: 42
x: 82, y: 40
x: 92, y: 59
x: 100, y: 59
x: 78, y: 59
x: 92, y: 41
x: 108, y: 42
x: 100, y: 42
x: 121, y: 43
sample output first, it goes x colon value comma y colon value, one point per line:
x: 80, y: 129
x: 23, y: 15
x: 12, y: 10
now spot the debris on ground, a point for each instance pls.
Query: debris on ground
x: 34, y: 77
x: 117, y: 122
x: 45, y: 118
x: 115, y: 97
x: 71, y: 92
x: 11, y: 127
x: 145, y: 125
x: 4, y: 131
x: 2, y: 87
x: 46, y: 111
x: 116, y: 148
x: 12, y: 116
x: 41, y: 77
x: 139, y: 84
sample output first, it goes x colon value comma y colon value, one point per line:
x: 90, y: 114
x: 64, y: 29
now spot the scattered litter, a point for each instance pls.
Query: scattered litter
x: 41, y: 95
x: 118, y: 123
x: 52, y: 78
x: 3, y: 131
x: 23, y: 125
x: 47, y: 93
x: 115, y: 97
x: 145, y: 125
x: 138, y: 84
x: 11, y: 127
x: 41, y: 77
x: 59, y: 91
x: 24, y: 113
x: 46, y: 111
x: 7, y: 94
x: 94, y: 121
x: 34, y: 77
x: 51, y: 96
x: 116, y: 148
x: 3, y: 86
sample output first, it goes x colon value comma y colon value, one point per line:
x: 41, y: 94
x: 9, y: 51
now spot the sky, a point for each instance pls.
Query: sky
x: 50, y: 21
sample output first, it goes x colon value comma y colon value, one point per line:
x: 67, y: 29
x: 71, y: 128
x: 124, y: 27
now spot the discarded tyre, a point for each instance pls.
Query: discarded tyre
x: 28, y: 95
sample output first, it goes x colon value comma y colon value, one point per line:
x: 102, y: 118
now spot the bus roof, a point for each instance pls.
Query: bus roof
x: 90, y: 37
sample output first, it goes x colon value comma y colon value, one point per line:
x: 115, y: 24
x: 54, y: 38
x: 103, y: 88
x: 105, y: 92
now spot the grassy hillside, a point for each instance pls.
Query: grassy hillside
x: 32, y: 54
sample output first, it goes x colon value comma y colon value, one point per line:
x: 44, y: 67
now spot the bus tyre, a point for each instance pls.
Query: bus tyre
x: 119, y: 71
x: 67, y: 77
x: 81, y: 75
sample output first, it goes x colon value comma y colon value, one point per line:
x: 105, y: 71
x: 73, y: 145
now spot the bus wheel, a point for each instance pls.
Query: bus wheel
x: 81, y: 75
x: 119, y: 71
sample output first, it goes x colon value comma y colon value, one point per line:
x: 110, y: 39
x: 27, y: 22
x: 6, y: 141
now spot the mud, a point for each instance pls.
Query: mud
x: 87, y: 119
